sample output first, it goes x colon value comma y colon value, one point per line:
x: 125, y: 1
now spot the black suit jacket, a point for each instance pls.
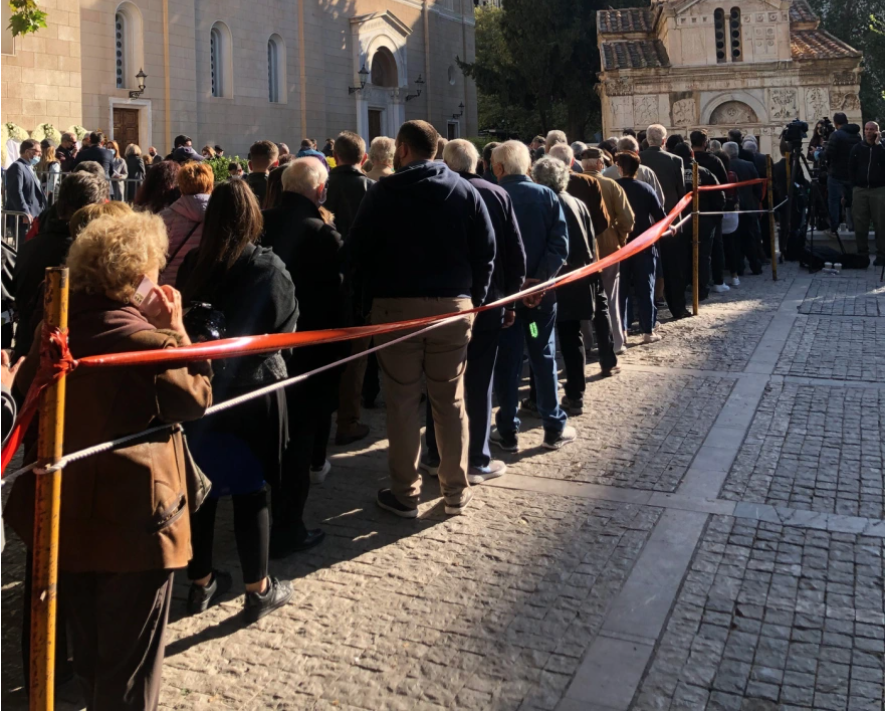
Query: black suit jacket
x: 670, y: 173
x: 100, y: 155
x: 748, y: 195
x: 23, y: 190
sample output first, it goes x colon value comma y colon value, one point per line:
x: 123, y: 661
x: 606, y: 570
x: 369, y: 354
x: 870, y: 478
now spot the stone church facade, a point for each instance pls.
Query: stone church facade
x: 230, y: 72
x: 720, y: 64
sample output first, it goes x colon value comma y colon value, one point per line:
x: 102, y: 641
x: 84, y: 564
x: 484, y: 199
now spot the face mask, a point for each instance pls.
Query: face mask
x: 113, y: 152
x: 35, y: 160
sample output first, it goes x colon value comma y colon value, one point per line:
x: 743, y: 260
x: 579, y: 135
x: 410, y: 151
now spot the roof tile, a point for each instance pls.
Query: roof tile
x: 633, y: 19
x: 800, y: 11
x: 634, y: 54
x: 819, y: 44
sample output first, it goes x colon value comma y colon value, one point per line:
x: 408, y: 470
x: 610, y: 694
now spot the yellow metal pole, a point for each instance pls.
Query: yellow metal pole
x: 771, y: 227
x: 47, y: 511
x: 695, y: 245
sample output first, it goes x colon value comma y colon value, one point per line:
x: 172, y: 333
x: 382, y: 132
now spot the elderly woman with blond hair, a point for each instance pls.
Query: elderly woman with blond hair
x: 381, y: 153
x: 184, y: 217
x: 124, y: 513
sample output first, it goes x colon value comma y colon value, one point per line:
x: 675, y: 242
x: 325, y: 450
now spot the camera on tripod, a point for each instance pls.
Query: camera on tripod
x: 826, y: 128
x: 794, y: 133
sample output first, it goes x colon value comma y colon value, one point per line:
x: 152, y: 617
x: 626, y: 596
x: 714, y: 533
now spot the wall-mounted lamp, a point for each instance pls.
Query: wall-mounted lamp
x: 141, y: 76
x: 364, y: 76
x: 420, y: 83
x: 459, y: 115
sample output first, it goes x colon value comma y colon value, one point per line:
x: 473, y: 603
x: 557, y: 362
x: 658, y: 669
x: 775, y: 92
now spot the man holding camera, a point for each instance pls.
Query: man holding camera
x: 844, y: 138
x: 866, y: 168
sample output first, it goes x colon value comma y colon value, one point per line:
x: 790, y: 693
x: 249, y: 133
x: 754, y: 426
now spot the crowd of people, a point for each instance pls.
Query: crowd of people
x: 294, y: 245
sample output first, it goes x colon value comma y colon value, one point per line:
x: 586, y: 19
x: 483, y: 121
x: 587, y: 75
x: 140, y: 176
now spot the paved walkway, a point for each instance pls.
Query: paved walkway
x: 714, y: 540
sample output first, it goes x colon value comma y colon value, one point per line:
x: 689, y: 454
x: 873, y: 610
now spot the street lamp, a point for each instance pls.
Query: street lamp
x: 420, y: 82
x: 141, y: 76
x: 459, y: 115
x: 364, y: 75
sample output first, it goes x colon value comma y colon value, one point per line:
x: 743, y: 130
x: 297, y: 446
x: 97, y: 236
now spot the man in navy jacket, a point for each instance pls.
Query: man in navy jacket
x: 424, y: 245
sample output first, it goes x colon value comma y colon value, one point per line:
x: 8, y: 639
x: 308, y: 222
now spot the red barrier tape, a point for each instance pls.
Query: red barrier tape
x: 730, y: 186
x: 56, y: 359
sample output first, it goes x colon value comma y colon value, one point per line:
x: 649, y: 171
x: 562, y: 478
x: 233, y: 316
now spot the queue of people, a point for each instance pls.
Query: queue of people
x: 293, y: 246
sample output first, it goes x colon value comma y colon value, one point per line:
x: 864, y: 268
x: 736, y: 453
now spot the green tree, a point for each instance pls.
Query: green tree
x: 26, y: 17
x: 861, y: 23
x: 536, y: 65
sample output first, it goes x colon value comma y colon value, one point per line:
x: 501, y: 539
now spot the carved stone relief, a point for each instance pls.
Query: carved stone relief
x: 685, y: 112
x: 622, y: 111
x: 764, y: 42
x: 732, y: 113
x: 817, y: 104
x: 645, y: 110
x: 844, y: 101
x: 618, y: 87
x: 783, y: 104
x: 845, y: 79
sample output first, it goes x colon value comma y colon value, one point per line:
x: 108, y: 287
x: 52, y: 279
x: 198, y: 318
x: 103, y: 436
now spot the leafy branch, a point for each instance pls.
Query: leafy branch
x: 26, y: 17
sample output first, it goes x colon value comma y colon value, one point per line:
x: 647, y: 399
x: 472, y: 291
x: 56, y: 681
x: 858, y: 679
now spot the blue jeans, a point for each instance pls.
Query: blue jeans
x: 639, y: 271
x: 836, y: 190
x: 542, y: 359
x: 481, y: 356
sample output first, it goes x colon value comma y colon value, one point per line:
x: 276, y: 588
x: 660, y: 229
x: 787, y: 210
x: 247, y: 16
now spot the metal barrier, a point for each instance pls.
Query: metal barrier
x: 14, y: 226
x: 123, y: 189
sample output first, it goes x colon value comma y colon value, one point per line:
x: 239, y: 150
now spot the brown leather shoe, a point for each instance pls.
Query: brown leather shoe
x: 354, y: 433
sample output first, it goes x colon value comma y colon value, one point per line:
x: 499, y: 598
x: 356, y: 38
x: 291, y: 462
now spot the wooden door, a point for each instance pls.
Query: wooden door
x: 374, y: 124
x: 126, y: 128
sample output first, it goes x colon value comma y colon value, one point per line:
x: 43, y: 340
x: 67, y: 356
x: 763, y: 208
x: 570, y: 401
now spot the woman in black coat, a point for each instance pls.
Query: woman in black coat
x: 136, y: 170
x: 242, y: 448
x: 311, y: 250
x: 583, y: 300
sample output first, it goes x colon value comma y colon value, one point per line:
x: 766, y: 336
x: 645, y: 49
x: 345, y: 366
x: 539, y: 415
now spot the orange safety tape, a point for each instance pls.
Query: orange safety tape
x: 56, y: 359
x: 730, y: 186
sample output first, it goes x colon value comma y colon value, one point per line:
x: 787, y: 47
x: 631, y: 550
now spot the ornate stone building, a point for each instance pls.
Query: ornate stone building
x: 753, y: 65
x: 229, y: 72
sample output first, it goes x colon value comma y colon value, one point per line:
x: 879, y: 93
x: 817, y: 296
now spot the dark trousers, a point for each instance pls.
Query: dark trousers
x: 117, y: 623
x: 371, y: 381
x: 717, y: 254
x: 750, y: 243
x: 672, y: 253
x: 542, y: 359
x: 706, y: 238
x: 251, y: 531
x: 482, y: 352
x: 638, y: 282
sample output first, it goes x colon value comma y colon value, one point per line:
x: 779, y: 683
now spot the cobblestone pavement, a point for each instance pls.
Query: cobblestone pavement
x: 836, y: 348
x: 713, y: 540
x: 771, y: 617
x: 814, y: 447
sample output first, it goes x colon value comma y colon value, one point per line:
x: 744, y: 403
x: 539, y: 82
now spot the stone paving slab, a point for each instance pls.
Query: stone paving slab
x: 492, y: 610
x: 816, y: 448
x: 849, y: 294
x: 773, y: 618
x: 835, y: 348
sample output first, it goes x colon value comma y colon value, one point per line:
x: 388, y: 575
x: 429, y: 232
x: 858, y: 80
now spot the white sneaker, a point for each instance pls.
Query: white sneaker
x: 480, y: 475
x: 318, y: 476
x: 720, y: 288
x: 735, y: 281
x: 651, y: 337
x: 621, y: 351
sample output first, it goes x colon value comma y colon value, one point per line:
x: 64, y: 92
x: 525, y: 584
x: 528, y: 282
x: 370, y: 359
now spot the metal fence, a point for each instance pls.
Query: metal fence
x: 121, y: 189
x: 14, y: 226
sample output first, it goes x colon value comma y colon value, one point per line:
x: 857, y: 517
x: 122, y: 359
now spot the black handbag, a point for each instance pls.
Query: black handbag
x: 198, y: 484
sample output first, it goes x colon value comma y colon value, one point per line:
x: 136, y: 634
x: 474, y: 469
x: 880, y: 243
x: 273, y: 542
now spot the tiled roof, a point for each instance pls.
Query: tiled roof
x: 634, y: 19
x: 800, y: 11
x: 634, y: 54
x: 819, y: 44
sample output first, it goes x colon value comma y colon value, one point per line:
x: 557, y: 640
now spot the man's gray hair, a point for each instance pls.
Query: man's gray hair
x: 731, y: 149
x: 554, y: 137
x: 461, y: 156
x: 714, y: 145
x: 381, y: 150
x: 628, y: 143
x: 551, y: 172
x: 514, y: 157
x: 563, y: 153
x: 304, y: 176
x: 69, y: 136
x: 578, y: 147
x: 656, y: 135
x: 750, y: 146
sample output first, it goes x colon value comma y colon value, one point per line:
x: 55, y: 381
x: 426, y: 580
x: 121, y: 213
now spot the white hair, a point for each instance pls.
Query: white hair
x: 656, y: 135
x: 563, y: 153
x: 551, y: 172
x: 461, y: 156
x: 750, y: 146
x: 578, y: 147
x: 714, y: 145
x: 514, y: 157
x: 304, y: 176
x: 554, y: 137
x: 731, y: 149
x: 628, y: 143
x: 381, y: 150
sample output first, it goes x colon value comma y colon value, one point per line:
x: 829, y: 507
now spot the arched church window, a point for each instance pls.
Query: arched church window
x: 273, y: 63
x: 719, y: 28
x: 220, y: 66
x: 120, y: 49
x: 734, y: 22
x: 128, y: 45
x: 384, y: 68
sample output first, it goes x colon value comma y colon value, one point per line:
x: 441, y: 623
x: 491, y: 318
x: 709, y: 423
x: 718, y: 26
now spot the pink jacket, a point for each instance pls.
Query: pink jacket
x: 184, y: 224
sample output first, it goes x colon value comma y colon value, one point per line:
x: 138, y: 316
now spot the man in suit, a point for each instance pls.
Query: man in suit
x: 23, y: 190
x: 748, y: 237
x: 669, y: 171
x: 95, y: 151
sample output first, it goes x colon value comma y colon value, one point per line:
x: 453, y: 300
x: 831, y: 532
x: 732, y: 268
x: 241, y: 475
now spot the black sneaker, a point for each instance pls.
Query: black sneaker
x: 529, y: 408
x: 258, y: 605
x: 387, y: 501
x: 572, y: 407
x: 557, y: 440
x: 508, y: 443
x: 200, y: 597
